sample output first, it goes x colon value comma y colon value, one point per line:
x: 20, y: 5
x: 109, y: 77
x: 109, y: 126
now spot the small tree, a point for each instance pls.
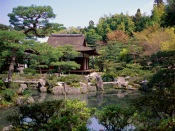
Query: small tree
x: 43, y: 56
x: 66, y: 66
x: 63, y: 62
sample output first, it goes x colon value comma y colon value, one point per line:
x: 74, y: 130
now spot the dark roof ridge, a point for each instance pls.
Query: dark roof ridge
x: 67, y: 35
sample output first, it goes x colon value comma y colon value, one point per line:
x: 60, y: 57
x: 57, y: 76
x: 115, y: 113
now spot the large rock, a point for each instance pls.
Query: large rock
x: 94, y: 74
x: 21, y: 89
x: 30, y: 100
x: 84, y: 88
x: 58, y: 90
x: 8, y: 128
x: 41, y: 83
x: 121, y: 82
x: 73, y: 91
x: 41, y: 97
x: 99, y: 83
x: 92, y: 88
x: 24, y: 100
x: 43, y: 89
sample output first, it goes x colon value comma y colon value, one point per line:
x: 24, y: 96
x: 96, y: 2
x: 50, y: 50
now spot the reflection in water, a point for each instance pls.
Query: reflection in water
x: 99, y: 97
x: 3, y: 115
x: 94, y: 99
x: 95, y: 126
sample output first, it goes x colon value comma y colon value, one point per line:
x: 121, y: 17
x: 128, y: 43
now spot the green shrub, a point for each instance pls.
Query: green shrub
x: 72, y: 78
x: 107, y: 78
x: 1, y: 83
x: 26, y: 92
x: 52, y: 71
x: 29, y: 71
x: 8, y: 94
x: 114, y: 117
x: 15, y: 85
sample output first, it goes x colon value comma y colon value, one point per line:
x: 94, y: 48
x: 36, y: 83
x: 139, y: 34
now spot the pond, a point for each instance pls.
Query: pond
x: 94, y: 99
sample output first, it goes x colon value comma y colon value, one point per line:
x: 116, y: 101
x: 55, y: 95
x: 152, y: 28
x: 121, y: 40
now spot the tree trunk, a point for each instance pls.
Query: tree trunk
x: 134, y: 58
x: 59, y: 72
x: 11, y: 69
x: 40, y: 71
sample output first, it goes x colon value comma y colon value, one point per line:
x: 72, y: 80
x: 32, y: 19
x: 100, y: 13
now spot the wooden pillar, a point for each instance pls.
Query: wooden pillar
x: 87, y: 63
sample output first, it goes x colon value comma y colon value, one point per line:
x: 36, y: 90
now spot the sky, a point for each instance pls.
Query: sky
x: 78, y: 13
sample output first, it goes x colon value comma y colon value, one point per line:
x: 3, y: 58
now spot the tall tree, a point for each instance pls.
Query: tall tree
x: 157, y: 13
x: 13, y: 46
x: 169, y: 18
x: 92, y: 37
x: 141, y: 21
x: 91, y: 25
x: 32, y: 20
x: 158, y: 2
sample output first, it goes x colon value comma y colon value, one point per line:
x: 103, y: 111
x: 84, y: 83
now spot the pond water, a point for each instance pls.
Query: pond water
x: 94, y: 99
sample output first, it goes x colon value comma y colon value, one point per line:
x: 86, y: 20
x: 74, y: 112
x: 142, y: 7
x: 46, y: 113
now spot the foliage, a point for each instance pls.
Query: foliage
x: 115, y: 117
x: 164, y: 59
x: 155, y: 107
x: 42, y: 55
x: 72, y: 78
x: 66, y: 66
x: 115, y: 22
x: 56, y: 115
x: 158, y: 13
x: 29, y: 71
x: 166, y: 124
x: 68, y: 51
x: 131, y: 70
x: 163, y: 78
x: 141, y: 21
x: 108, y: 53
x: 65, y: 53
x: 168, y: 19
x: 70, y: 30
x: 32, y: 20
x: 118, y: 35
x: 92, y: 37
x: 169, y: 43
x: 8, y: 94
x: 1, y: 83
x: 154, y: 39
x: 13, y: 45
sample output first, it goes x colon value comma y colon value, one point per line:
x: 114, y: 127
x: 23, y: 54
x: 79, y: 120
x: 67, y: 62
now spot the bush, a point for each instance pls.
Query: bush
x: 52, y: 71
x: 106, y: 78
x: 72, y: 79
x: 114, y: 117
x: 1, y: 83
x: 29, y: 71
x: 8, y: 94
